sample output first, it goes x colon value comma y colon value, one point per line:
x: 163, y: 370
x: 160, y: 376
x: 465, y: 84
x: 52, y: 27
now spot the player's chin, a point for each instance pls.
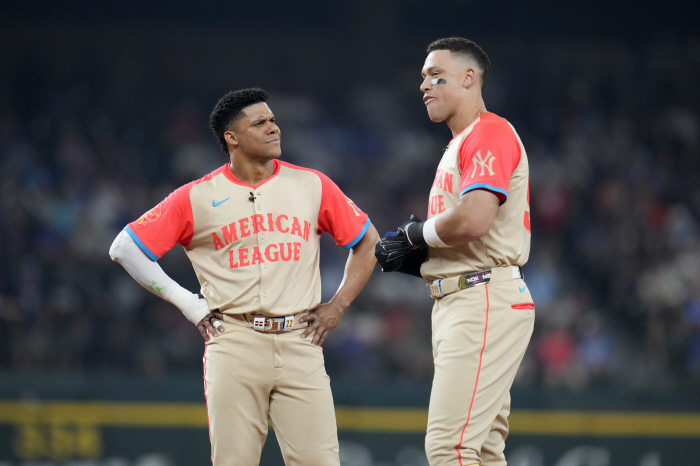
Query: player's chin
x: 435, y: 116
x: 275, y: 151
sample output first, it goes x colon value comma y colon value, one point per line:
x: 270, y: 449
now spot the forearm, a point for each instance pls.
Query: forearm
x: 152, y: 277
x: 470, y: 219
x: 453, y: 228
x: 358, y: 269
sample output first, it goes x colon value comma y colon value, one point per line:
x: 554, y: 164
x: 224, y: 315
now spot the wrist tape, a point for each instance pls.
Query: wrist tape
x: 430, y: 234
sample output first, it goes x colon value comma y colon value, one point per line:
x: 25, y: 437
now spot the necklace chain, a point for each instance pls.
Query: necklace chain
x: 478, y: 115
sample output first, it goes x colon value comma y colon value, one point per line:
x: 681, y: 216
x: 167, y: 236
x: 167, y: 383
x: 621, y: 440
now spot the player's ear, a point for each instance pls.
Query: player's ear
x: 470, y: 77
x: 231, y: 138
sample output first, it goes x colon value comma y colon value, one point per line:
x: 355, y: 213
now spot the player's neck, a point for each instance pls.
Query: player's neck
x: 251, y: 171
x: 466, y: 115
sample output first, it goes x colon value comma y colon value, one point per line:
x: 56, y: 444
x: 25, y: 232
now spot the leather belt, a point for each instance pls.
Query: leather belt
x: 444, y: 286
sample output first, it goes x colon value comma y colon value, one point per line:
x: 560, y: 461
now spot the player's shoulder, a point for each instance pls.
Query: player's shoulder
x: 304, y: 173
x: 209, y: 176
x: 185, y: 189
x: 490, y: 123
x: 493, y: 130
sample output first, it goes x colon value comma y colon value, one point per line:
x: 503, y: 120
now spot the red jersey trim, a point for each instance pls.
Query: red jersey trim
x: 226, y: 169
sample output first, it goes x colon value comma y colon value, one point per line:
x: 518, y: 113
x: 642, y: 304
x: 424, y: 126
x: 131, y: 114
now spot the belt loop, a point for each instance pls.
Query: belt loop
x: 518, y: 272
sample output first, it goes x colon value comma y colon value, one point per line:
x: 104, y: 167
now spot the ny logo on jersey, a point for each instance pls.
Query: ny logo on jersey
x: 484, y: 163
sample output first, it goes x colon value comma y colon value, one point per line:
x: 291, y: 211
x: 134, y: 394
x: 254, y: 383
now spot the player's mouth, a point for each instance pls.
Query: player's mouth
x: 427, y: 99
x: 273, y: 141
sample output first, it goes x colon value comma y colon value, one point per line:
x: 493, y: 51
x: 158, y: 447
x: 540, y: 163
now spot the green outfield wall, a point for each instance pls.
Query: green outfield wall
x: 133, y: 422
x: 175, y: 434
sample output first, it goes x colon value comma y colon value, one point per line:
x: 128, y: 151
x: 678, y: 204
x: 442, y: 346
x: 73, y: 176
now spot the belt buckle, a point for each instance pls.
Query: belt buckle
x: 273, y: 324
x: 469, y: 280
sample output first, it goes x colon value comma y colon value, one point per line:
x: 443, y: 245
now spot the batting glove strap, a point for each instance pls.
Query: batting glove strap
x: 414, y: 234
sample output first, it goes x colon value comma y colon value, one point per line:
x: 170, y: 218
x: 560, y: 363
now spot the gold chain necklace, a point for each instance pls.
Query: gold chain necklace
x: 478, y: 115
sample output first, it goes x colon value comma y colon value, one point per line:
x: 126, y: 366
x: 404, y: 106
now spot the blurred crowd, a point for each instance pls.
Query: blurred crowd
x: 613, y: 138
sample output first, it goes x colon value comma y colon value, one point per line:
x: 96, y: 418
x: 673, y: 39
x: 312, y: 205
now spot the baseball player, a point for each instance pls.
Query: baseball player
x: 470, y: 250
x: 251, y: 229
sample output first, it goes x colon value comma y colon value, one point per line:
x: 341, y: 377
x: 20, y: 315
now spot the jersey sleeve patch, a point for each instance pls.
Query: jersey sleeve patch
x: 488, y: 158
x: 167, y: 224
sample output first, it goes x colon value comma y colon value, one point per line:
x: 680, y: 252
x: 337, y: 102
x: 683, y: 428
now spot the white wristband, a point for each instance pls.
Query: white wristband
x: 191, y: 305
x: 430, y: 235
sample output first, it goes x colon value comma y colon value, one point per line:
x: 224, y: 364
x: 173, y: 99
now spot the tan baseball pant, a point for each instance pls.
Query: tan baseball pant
x: 479, y: 338
x: 250, y: 377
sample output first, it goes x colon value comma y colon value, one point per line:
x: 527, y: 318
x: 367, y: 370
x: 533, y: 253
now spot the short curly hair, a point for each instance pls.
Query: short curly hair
x: 467, y: 48
x: 230, y: 108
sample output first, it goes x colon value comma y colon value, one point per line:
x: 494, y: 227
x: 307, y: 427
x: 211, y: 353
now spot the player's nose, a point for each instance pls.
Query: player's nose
x: 425, y: 85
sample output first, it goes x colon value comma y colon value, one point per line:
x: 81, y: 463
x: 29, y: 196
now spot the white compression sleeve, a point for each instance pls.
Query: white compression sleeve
x: 152, y: 277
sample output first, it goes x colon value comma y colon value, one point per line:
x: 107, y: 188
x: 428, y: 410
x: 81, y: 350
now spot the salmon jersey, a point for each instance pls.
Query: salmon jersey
x: 254, y: 249
x: 487, y: 154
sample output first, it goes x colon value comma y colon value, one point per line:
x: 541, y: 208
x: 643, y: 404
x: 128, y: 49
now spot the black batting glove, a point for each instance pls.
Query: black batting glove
x: 397, y: 256
x: 394, y: 248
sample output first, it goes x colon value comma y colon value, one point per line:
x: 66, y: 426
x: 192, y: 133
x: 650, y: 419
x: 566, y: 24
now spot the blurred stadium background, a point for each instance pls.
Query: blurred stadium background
x: 104, y: 110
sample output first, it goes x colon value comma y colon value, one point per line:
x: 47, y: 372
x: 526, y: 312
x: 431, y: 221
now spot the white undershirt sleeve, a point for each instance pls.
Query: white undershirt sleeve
x: 152, y: 277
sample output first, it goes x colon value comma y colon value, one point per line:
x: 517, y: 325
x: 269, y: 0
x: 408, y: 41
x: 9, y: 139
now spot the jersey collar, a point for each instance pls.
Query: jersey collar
x: 229, y: 174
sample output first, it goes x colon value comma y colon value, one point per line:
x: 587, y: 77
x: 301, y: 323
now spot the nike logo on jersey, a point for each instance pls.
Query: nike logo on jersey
x: 214, y: 203
x: 522, y: 290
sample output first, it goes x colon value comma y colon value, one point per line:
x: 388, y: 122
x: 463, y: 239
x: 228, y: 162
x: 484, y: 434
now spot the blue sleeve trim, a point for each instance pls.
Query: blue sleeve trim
x: 141, y: 245
x: 485, y: 186
x: 358, y: 237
